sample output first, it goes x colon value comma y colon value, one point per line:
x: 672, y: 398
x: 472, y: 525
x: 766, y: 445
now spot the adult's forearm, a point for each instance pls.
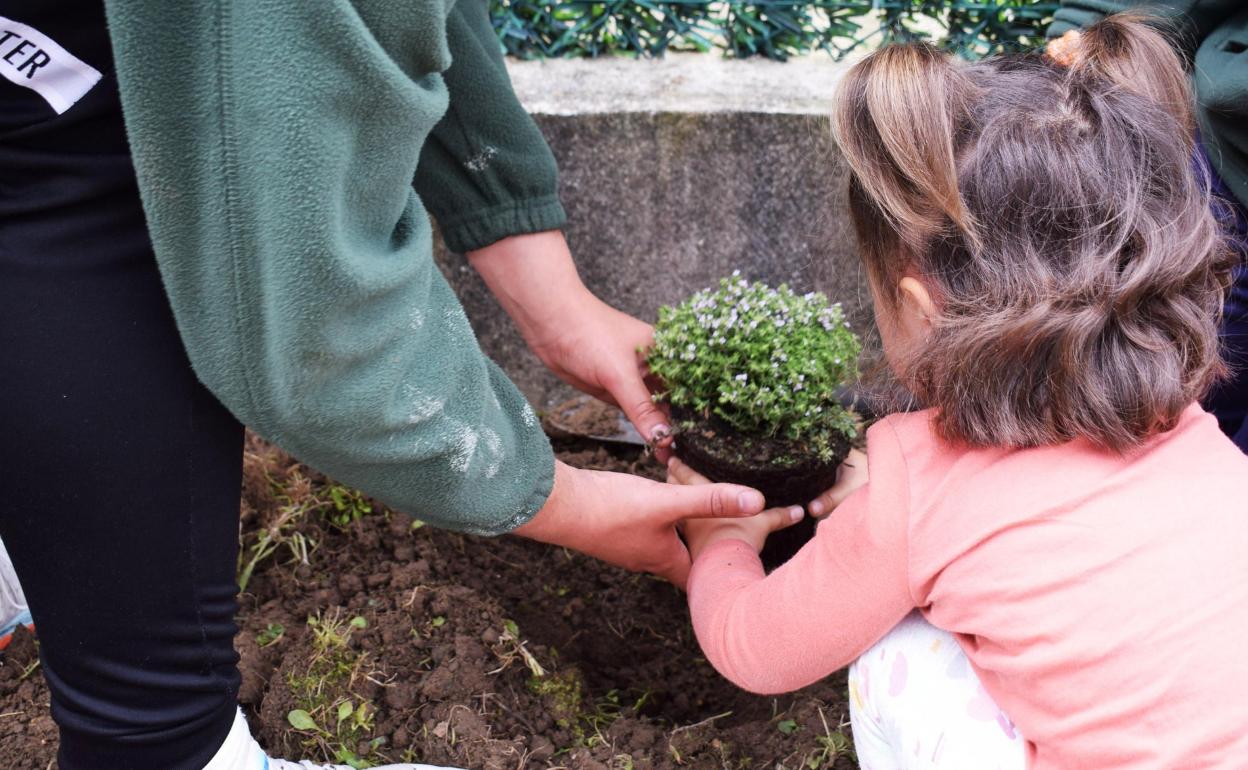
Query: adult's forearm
x: 533, y: 277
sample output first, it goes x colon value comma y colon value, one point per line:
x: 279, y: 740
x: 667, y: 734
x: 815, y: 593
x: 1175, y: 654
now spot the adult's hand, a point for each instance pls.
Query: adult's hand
x: 584, y: 341
x: 701, y: 533
x: 630, y: 521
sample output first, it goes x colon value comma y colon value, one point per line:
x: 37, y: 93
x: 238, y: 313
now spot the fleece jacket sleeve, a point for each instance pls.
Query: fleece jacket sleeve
x: 275, y: 146
x: 486, y: 172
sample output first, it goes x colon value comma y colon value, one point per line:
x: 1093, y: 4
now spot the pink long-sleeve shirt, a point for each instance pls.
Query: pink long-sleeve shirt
x: 1101, y: 599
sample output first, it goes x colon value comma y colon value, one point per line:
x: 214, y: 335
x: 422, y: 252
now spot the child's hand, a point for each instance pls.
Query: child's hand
x: 1065, y: 49
x: 700, y: 533
x: 851, y: 475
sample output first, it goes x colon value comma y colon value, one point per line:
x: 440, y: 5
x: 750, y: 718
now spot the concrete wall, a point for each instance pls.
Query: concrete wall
x: 677, y: 172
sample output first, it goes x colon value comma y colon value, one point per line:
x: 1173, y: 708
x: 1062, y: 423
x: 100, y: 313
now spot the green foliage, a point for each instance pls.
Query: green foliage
x: 766, y: 361
x: 270, y: 634
x: 349, y: 506
x: 777, y: 29
x: 563, y: 693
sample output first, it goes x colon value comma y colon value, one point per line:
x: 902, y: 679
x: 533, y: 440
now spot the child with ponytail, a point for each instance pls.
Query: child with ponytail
x: 1047, y: 567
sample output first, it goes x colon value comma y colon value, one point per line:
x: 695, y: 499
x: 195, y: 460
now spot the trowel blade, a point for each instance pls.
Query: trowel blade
x: 588, y: 418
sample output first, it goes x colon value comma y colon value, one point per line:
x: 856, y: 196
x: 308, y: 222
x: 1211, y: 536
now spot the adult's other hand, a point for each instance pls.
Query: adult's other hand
x: 630, y: 521
x: 583, y: 340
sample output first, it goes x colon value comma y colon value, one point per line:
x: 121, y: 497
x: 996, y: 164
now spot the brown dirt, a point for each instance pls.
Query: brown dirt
x: 443, y: 626
x: 28, y: 736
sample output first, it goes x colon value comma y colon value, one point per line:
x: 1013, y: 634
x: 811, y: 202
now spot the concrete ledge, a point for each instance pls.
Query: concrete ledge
x: 678, y: 83
x: 677, y: 172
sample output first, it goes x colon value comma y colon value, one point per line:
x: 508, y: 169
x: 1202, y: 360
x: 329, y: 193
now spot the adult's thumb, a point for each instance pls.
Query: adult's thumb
x: 707, y: 501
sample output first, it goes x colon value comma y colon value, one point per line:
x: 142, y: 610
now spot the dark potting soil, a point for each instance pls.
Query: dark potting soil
x: 782, y: 470
x: 435, y: 633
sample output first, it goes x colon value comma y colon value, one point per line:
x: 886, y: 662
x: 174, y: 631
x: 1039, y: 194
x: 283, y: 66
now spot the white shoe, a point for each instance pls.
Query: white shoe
x: 13, y: 609
x: 241, y: 752
x: 282, y: 764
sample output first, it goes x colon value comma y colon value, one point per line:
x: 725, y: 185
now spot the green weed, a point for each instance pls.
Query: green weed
x: 270, y: 634
x: 347, y: 506
x: 333, y: 719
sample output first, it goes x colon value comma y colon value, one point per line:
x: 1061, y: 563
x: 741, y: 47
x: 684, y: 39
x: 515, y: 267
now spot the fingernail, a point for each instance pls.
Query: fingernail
x: 751, y: 502
x: 660, y: 432
x: 816, y: 508
x: 795, y: 513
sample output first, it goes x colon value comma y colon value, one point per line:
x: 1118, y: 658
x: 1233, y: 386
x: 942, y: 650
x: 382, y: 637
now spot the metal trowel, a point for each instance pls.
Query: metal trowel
x: 585, y: 417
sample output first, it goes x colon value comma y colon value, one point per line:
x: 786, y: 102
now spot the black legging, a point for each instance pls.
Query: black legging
x: 121, y: 472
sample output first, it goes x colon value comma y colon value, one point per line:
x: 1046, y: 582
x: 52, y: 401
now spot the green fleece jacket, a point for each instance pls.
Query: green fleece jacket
x: 288, y: 154
x: 1213, y: 35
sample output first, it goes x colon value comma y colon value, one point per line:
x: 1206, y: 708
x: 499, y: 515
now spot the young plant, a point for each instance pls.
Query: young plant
x: 767, y: 362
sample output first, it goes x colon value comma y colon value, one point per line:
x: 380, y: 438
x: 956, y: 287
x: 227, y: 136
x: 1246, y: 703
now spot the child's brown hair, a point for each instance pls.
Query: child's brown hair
x: 1057, y: 217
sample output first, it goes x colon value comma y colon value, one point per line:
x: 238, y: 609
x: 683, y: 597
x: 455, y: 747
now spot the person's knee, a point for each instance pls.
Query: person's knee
x: 903, y: 665
x: 915, y: 700
x: 160, y: 711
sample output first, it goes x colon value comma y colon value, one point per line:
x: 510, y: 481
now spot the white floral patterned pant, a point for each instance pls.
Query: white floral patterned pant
x: 916, y: 704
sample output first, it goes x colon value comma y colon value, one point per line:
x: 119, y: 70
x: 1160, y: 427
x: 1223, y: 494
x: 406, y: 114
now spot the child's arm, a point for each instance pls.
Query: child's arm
x: 821, y: 610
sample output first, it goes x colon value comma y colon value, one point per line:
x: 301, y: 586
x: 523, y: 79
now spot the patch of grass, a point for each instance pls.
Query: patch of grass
x: 284, y: 506
x: 830, y: 746
x: 333, y: 719
x: 563, y: 694
x: 281, y: 495
x: 346, y: 506
x: 282, y: 531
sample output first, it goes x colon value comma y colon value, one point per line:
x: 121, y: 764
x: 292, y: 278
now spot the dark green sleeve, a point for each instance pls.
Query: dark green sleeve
x: 486, y: 172
x: 275, y: 146
x: 1192, y: 20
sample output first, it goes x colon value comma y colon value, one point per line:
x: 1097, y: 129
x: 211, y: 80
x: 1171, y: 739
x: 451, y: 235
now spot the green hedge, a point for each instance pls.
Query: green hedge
x: 777, y: 29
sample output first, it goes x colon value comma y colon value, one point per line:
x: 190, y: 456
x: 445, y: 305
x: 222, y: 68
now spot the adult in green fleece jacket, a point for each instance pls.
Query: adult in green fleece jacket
x: 1213, y: 36
x: 288, y: 155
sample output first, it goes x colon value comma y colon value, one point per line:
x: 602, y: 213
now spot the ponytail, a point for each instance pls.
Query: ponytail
x: 1127, y: 50
x: 895, y: 119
